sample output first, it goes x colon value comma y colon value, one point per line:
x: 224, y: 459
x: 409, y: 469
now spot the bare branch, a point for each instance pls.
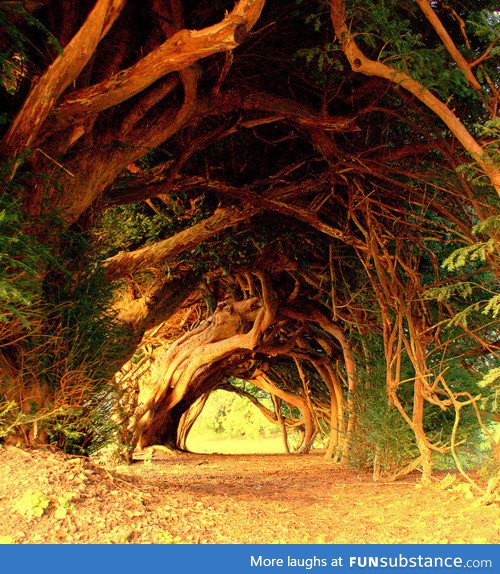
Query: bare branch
x: 462, y: 63
x: 360, y: 63
x: 155, y: 255
x: 178, y: 52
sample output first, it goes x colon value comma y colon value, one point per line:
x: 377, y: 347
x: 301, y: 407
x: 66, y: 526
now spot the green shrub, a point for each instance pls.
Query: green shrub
x: 59, y: 340
x: 381, y: 434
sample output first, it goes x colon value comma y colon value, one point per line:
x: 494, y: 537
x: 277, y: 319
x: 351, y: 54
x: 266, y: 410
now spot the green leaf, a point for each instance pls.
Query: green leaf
x: 492, y: 378
x: 61, y: 512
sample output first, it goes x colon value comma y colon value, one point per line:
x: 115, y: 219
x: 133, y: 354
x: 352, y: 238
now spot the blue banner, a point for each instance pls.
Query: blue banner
x: 248, y: 559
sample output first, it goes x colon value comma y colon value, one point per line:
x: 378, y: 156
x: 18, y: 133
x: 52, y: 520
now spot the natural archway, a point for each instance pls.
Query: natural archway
x: 225, y: 192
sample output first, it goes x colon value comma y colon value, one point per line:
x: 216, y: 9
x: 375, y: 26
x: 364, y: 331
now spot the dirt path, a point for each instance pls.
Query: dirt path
x: 226, y: 499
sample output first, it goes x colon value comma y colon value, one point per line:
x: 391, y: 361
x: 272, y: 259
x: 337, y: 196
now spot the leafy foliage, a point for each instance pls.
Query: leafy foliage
x: 471, y: 253
x: 71, y: 341
x: 234, y: 417
x: 21, y: 260
x: 381, y: 435
x: 395, y: 34
x: 16, y: 22
x: 491, y: 384
x: 467, y: 258
x: 32, y: 504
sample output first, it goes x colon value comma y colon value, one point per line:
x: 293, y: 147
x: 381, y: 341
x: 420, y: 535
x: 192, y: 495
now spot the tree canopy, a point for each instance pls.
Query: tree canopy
x: 199, y: 193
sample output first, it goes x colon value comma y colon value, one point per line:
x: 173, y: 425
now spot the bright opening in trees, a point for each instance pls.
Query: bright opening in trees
x: 231, y: 424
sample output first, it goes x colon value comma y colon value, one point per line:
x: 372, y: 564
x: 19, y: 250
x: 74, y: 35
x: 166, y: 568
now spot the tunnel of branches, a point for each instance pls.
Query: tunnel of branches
x: 264, y: 200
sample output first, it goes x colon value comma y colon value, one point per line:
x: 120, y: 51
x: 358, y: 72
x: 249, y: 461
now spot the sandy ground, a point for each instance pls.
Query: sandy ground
x: 48, y: 497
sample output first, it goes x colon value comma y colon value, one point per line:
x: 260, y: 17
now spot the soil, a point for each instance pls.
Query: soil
x: 49, y: 497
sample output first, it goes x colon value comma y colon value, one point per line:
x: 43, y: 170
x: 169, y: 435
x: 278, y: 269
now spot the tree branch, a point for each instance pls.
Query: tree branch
x: 462, y: 63
x: 360, y: 63
x: 126, y: 263
x: 178, y: 52
x: 64, y: 70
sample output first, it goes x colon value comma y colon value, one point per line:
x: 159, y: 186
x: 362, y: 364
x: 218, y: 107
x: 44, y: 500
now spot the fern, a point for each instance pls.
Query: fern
x: 491, y: 379
x: 493, y: 306
x: 463, y: 256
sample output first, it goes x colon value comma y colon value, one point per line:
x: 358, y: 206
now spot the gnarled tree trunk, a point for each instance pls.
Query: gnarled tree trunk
x: 192, y: 359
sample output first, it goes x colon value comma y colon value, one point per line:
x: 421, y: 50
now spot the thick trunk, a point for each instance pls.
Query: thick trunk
x: 336, y: 439
x: 188, y: 419
x: 279, y: 417
x: 164, y: 427
x: 195, y: 358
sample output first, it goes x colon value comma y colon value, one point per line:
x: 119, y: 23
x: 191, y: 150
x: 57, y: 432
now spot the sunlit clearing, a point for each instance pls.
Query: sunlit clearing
x: 230, y: 424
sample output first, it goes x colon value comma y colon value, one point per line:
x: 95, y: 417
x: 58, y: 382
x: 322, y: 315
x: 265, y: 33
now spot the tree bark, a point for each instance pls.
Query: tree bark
x: 128, y: 262
x: 177, y: 53
x: 65, y: 69
x: 182, y: 370
x: 262, y: 381
x: 313, y: 314
x: 188, y: 419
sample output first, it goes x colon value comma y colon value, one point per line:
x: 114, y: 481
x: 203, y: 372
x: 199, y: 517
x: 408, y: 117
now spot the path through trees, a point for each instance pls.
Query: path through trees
x: 195, y: 196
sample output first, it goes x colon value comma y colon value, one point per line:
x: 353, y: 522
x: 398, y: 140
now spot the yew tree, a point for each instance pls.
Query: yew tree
x: 259, y: 191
